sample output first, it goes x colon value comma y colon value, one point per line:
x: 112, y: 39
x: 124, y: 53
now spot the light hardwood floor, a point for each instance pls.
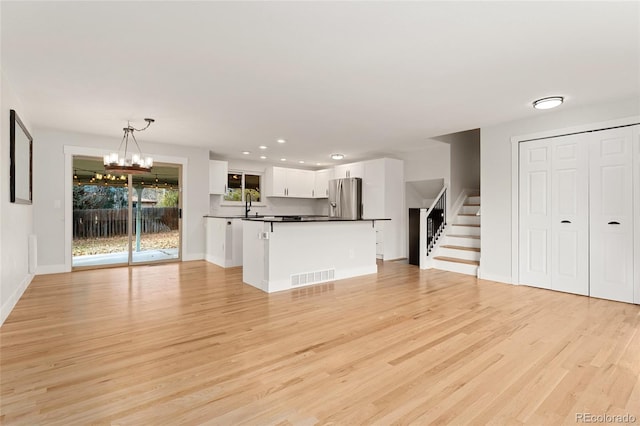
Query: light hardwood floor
x: 188, y: 343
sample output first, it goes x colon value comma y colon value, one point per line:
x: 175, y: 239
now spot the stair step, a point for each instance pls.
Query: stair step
x: 477, y: 237
x: 466, y: 224
x: 453, y: 259
x: 461, y: 248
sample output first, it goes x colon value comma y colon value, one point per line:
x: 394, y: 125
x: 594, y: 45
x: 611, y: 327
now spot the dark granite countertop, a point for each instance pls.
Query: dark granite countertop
x: 293, y: 219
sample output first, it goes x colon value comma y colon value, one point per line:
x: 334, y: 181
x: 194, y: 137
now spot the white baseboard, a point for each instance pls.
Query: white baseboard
x: 8, y: 306
x: 192, y: 256
x: 52, y: 269
x: 492, y: 277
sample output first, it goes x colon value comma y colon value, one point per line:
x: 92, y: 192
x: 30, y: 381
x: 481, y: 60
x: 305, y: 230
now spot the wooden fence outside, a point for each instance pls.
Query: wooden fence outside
x: 105, y: 223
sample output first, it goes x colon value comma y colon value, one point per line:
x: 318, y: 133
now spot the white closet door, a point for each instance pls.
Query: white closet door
x: 611, y: 207
x: 636, y: 185
x: 570, y: 214
x: 535, y: 213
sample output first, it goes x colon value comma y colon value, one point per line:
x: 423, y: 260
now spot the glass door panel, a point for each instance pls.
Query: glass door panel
x: 155, y: 203
x: 100, y: 215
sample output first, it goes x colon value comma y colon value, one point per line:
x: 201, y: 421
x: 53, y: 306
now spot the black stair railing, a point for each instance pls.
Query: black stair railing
x: 436, y: 220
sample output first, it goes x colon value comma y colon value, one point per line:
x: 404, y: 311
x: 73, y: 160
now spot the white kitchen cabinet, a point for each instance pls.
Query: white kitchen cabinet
x: 224, y: 241
x: 276, y: 184
x: 383, y: 197
x: 218, y: 172
x: 300, y: 183
x: 285, y: 182
x: 321, y: 187
x: 349, y: 170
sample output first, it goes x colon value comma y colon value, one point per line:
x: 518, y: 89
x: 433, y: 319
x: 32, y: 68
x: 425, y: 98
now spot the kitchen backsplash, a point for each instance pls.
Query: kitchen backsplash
x: 271, y: 206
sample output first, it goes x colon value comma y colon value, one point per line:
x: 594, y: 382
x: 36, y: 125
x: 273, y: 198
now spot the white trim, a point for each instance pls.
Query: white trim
x: 636, y: 183
x: 515, y: 172
x: 11, y: 302
x: 71, y: 150
x: 51, y: 269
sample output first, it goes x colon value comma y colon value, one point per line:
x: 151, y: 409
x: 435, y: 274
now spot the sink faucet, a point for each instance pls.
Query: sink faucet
x: 247, y: 204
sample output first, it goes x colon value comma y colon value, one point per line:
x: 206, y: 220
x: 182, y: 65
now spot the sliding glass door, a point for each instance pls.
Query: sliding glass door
x: 123, y: 220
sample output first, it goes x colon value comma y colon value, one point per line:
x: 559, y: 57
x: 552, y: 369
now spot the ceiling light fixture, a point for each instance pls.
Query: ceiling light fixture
x: 301, y: 161
x: 246, y: 152
x: 129, y: 163
x: 283, y: 159
x: 262, y: 147
x: 281, y: 141
x: 337, y: 156
x: 263, y: 157
x: 548, y: 103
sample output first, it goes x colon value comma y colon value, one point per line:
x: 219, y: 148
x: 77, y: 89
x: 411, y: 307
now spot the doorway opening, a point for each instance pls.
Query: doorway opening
x: 125, y: 219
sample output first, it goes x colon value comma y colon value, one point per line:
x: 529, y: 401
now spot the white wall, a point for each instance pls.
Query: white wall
x: 495, y: 174
x: 433, y: 162
x: 16, y: 219
x: 268, y: 205
x: 50, y: 186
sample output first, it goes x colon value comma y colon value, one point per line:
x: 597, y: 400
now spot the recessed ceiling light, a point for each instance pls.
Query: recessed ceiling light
x: 283, y: 159
x: 246, y: 152
x: 263, y: 157
x: 337, y: 156
x: 262, y: 147
x: 281, y: 141
x: 318, y: 164
x: 301, y: 161
x: 547, y: 103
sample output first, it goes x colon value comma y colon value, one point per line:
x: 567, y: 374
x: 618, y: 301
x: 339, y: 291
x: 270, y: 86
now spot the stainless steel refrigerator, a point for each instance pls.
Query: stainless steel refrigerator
x: 345, y: 198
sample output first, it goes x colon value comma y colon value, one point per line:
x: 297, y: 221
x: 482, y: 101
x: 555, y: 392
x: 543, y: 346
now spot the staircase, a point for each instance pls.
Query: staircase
x: 459, y: 251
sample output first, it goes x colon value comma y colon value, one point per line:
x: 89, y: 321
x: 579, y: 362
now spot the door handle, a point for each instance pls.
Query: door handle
x: 565, y: 221
x: 613, y: 223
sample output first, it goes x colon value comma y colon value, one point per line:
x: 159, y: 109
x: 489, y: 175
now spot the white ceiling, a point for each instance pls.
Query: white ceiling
x: 361, y: 78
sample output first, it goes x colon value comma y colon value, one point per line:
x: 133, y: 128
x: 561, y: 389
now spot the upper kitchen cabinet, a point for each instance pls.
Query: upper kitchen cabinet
x: 321, y: 189
x: 349, y: 170
x: 218, y: 171
x: 285, y: 182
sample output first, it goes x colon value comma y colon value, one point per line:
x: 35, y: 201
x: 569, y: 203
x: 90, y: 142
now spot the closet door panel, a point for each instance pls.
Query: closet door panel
x: 535, y: 213
x: 611, y: 211
x: 636, y: 184
x: 570, y: 214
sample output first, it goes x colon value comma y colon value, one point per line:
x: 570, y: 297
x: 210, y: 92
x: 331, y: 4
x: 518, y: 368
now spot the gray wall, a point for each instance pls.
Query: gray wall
x: 16, y: 220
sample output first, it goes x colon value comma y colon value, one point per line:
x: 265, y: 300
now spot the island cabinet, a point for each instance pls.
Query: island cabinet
x: 281, y: 254
x: 218, y: 171
x: 321, y: 188
x: 285, y: 182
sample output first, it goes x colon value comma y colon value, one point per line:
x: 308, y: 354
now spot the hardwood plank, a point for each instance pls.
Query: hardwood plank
x: 189, y: 343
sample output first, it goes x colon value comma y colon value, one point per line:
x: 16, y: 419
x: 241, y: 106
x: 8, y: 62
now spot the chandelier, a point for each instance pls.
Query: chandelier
x: 125, y: 162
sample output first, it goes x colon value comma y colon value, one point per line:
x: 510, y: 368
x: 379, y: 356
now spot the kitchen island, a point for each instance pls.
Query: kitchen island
x: 282, y: 253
